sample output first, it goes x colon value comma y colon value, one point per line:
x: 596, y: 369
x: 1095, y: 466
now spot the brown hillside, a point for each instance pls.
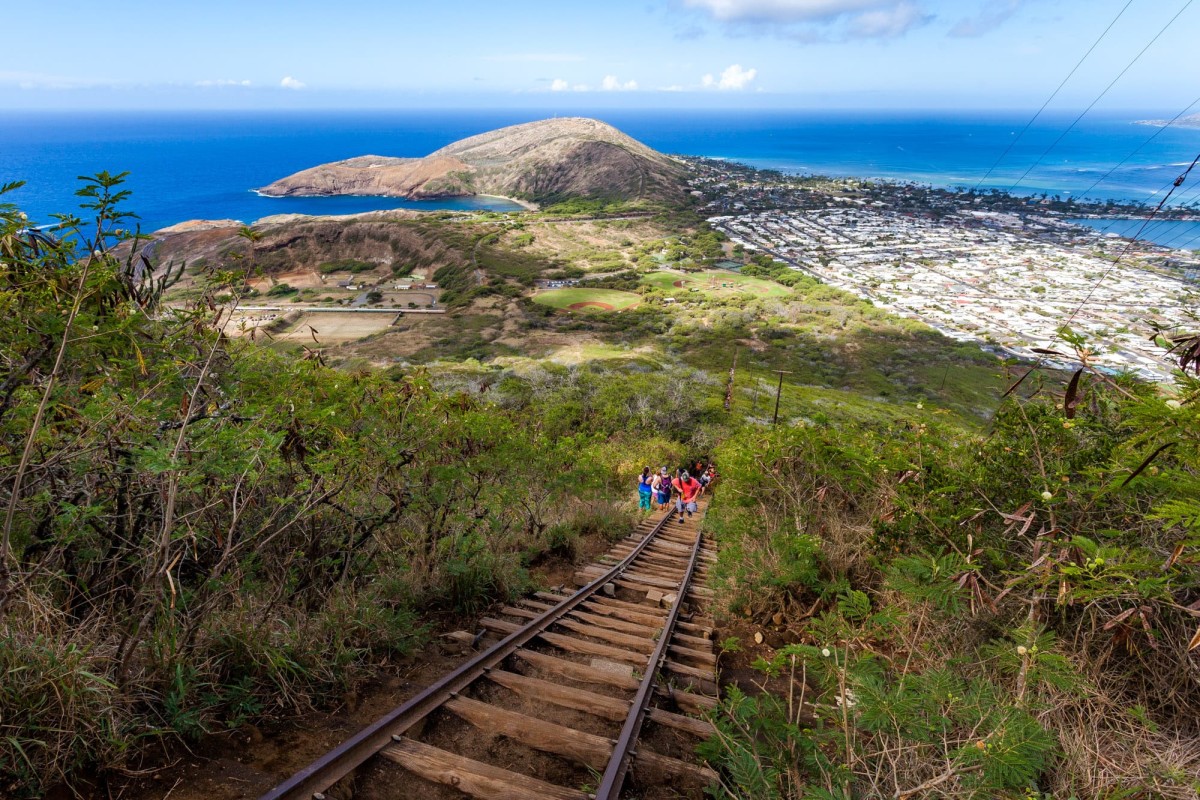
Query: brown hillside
x: 389, y: 239
x: 543, y: 161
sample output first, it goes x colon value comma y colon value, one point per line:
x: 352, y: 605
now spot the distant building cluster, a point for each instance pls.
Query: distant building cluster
x: 1008, y: 280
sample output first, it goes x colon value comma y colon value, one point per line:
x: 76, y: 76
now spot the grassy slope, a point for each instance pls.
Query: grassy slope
x: 840, y: 352
x: 715, y: 283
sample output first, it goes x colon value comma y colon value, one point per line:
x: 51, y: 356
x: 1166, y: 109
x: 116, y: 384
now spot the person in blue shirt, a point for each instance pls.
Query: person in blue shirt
x: 644, y: 489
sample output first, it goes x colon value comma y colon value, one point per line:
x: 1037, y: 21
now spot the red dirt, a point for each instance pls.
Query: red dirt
x: 591, y: 304
x: 680, y: 284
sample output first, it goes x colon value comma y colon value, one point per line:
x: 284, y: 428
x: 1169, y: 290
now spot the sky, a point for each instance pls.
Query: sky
x: 573, y: 54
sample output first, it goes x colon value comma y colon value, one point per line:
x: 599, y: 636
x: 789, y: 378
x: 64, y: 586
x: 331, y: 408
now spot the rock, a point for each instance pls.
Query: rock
x: 668, y: 600
x: 654, y: 596
x: 609, y: 589
x: 777, y: 619
x: 193, y: 225
x: 612, y: 667
x: 758, y: 637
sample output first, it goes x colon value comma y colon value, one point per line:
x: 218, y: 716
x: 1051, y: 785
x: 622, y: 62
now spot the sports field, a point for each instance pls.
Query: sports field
x: 333, y: 328
x: 575, y: 299
x: 715, y: 283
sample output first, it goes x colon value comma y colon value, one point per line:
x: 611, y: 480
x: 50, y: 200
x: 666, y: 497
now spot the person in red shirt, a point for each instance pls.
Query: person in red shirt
x: 689, y: 489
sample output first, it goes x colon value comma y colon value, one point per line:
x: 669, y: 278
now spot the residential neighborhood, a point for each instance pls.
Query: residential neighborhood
x: 1010, y: 281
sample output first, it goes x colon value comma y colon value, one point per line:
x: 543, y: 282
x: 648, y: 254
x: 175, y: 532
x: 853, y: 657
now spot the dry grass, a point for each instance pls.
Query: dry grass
x: 1107, y: 750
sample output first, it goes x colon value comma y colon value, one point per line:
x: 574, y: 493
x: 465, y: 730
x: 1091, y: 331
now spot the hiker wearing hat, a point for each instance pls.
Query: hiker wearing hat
x: 689, y: 489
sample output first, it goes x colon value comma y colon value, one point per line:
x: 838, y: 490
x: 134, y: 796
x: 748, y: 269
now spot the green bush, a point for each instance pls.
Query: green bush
x: 350, y: 265
x: 333, y: 514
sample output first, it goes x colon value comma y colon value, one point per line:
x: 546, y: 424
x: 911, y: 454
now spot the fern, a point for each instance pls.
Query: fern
x: 1032, y: 650
x: 854, y: 605
x: 753, y: 746
x: 929, y: 579
x: 1011, y: 754
x: 1184, y: 512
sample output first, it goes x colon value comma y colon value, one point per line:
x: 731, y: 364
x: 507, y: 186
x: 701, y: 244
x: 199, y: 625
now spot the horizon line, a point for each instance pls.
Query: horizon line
x: 576, y: 111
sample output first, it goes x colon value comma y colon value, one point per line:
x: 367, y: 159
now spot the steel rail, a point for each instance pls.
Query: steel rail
x: 318, y: 776
x: 623, y: 752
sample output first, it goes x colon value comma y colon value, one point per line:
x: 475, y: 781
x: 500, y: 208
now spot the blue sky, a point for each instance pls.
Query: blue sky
x: 570, y: 54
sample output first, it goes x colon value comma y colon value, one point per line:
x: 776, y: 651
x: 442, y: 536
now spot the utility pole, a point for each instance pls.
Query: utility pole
x: 778, y: 393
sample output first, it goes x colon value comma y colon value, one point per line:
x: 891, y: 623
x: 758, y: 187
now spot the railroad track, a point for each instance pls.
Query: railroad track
x: 574, y: 695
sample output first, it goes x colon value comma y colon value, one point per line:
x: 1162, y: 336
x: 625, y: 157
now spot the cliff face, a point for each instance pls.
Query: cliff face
x: 542, y: 161
x: 371, y: 175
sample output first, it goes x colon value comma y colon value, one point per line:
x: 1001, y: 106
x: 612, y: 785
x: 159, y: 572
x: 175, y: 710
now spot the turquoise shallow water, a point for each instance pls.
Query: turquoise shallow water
x: 1181, y: 234
x: 204, y: 165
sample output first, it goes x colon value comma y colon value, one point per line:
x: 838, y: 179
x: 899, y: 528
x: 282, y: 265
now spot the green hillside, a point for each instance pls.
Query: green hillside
x: 926, y: 586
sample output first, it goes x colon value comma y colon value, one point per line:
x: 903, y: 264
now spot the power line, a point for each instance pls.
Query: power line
x: 1185, y: 234
x: 1159, y: 224
x: 1180, y: 203
x: 1041, y: 359
x: 1165, y: 226
x: 1177, y: 183
x: 1049, y: 99
x: 1099, y: 97
x: 1138, y: 149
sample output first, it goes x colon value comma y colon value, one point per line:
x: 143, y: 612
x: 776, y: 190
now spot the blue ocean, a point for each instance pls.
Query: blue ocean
x: 205, y: 165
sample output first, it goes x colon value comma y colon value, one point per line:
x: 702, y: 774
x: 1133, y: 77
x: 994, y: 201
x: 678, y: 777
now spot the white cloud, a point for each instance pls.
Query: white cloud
x: 813, y: 20
x: 783, y: 10
x: 675, y: 87
x: 612, y: 83
x: 734, y: 78
x: 991, y: 16
x: 535, y: 58
x: 886, y: 23
x: 291, y: 83
x: 222, y: 82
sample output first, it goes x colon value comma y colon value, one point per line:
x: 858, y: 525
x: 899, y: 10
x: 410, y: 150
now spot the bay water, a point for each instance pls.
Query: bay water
x: 205, y: 165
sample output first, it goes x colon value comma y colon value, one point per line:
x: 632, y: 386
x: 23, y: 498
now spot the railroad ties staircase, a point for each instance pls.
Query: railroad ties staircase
x: 596, y: 693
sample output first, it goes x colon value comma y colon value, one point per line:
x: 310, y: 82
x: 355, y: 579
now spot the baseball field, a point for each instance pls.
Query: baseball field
x: 577, y: 299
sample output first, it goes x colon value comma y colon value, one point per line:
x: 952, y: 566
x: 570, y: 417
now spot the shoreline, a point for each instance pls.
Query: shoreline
x: 200, y: 223
x: 432, y: 198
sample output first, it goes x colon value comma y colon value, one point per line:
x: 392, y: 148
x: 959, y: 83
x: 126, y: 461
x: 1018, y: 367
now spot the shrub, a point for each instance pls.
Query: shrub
x: 350, y: 265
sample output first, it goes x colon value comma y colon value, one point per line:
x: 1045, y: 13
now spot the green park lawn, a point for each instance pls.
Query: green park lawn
x: 575, y: 299
x: 715, y: 283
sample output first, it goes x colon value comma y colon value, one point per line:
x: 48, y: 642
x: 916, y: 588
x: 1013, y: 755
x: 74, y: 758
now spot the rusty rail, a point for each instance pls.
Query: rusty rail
x: 312, y: 781
x: 618, y: 765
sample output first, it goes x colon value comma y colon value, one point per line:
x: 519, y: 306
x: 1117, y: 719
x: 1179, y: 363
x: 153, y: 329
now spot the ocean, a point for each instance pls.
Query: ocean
x: 205, y: 165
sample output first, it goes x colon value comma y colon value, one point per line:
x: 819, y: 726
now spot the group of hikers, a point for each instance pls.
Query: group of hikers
x: 686, y: 487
